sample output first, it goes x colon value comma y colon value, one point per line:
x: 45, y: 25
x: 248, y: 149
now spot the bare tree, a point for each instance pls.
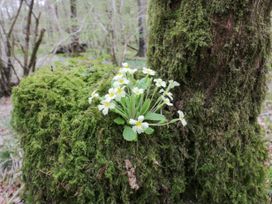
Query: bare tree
x: 6, y: 65
x: 8, y: 58
x: 141, y: 27
x: 112, y: 32
x: 30, y: 56
x: 75, y: 46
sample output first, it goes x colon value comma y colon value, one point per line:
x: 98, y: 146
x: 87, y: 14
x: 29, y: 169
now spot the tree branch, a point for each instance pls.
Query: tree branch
x: 15, y: 19
x: 35, y: 50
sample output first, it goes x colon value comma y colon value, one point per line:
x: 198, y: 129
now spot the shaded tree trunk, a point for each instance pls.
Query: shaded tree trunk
x: 74, y: 29
x: 217, y: 50
x: 141, y: 27
x: 27, y: 38
x: 5, y: 83
x: 111, y: 28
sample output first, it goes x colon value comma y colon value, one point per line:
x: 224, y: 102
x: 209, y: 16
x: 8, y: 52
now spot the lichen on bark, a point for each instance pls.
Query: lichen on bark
x: 217, y: 50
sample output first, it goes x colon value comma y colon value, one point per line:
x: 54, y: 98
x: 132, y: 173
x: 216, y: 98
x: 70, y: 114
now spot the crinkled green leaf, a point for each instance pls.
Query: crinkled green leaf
x: 129, y: 134
x: 119, y: 121
x: 149, y: 131
x: 143, y: 83
x: 155, y: 117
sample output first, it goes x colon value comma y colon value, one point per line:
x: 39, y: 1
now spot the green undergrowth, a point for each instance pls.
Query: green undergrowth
x: 73, y: 154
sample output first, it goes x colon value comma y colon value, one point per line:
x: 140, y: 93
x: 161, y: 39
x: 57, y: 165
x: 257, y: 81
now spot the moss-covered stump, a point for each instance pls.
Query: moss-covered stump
x: 217, y: 50
x: 73, y: 154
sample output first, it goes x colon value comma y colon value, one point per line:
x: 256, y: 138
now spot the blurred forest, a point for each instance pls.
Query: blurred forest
x: 33, y: 32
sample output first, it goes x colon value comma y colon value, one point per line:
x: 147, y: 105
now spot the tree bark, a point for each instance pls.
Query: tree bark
x: 5, y: 84
x: 217, y: 51
x: 27, y: 37
x: 6, y: 64
x: 141, y: 27
x: 74, y: 29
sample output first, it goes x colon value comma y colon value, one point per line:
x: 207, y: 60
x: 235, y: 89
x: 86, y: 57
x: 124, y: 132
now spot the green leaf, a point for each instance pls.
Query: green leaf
x: 119, y: 112
x: 133, y: 104
x: 142, y: 83
x: 128, y: 106
x: 129, y: 134
x: 119, y: 121
x: 155, y: 117
x: 149, y: 131
x: 145, y: 107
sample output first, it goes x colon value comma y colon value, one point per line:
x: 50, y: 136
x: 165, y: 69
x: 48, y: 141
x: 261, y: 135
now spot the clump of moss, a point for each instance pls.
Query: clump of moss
x: 73, y: 154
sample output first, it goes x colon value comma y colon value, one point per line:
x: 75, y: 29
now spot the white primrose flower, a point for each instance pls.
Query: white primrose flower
x: 160, y: 83
x: 120, y: 82
x: 94, y: 95
x: 132, y: 71
x: 181, y: 118
x: 127, y: 70
x: 118, y: 76
x: 125, y: 65
x: 138, y: 125
x: 111, y: 94
x: 148, y: 71
x: 105, y: 106
x: 120, y: 93
x: 167, y: 93
x: 173, y: 84
x: 124, y: 70
x: 167, y: 101
x: 137, y: 91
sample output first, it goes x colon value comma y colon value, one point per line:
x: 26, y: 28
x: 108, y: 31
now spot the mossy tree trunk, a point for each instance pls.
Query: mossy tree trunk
x: 217, y: 50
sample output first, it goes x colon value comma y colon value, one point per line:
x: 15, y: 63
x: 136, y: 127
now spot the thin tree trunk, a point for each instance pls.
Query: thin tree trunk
x: 217, y: 51
x: 112, y: 40
x: 5, y: 86
x: 74, y: 29
x: 56, y: 10
x: 8, y: 47
x: 141, y: 27
x: 27, y: 37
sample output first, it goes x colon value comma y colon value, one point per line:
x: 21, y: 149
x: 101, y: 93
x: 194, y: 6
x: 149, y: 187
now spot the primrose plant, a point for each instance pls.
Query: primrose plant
x: 138, y: 101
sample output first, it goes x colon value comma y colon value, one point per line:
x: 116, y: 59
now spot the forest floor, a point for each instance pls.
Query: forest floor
x: 10, y: 153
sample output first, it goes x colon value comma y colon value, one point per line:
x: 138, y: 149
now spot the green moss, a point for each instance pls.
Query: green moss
x: 217, y: 51
x: 72, y: 154
x: 185, y: 24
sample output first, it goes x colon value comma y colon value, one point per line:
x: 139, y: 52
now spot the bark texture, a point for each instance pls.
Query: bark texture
x: 141, y: 27
x: 74, y: 29
x: 5, y: 82
x: 217, y: 50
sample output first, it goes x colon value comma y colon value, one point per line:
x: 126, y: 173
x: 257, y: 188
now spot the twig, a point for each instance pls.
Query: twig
x: 15, y: 19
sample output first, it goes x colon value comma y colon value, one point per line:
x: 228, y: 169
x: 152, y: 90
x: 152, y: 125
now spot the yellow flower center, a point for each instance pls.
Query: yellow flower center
x: 121, y: 81
x: 111, y: 94
x: 107, y: 104
x: 119, y: 90
x: 138, y: 124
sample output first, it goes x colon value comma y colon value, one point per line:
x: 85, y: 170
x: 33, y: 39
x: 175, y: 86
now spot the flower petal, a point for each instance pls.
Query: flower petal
x: 141, y: 118
x: 105, y: 111
x: 100, y: 107
x: 132, y: 121
x: 145, y: 125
